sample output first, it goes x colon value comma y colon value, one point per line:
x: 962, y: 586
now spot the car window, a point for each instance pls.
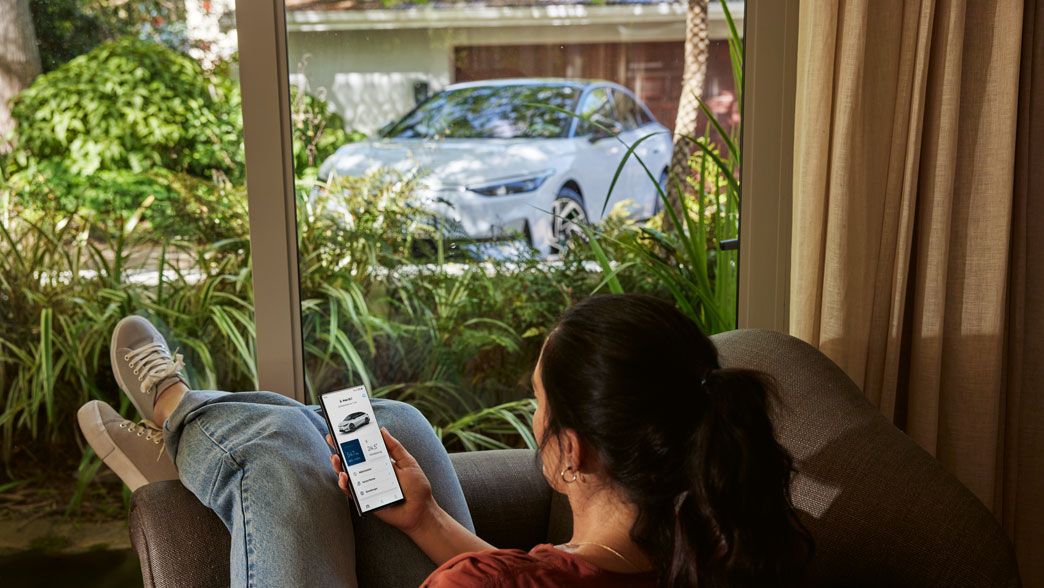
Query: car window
x: 627, y: 111
x: 643, y: 117
x: 596, y: 107
x: 491, y: 112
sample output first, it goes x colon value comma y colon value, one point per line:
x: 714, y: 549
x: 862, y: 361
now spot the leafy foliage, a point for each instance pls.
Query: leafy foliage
x: 685, y: 262
x: 135, y: 124
x: 131, y: 105
x: 174, y: 205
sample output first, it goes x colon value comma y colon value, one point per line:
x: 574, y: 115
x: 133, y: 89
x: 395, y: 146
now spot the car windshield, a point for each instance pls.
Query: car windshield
x: 491, y: 112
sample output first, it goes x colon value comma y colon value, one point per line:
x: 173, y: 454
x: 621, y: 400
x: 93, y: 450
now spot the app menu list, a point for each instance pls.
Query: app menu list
x: 374, y: 479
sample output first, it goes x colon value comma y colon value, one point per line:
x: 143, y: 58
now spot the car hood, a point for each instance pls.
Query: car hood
x: 449, y: 162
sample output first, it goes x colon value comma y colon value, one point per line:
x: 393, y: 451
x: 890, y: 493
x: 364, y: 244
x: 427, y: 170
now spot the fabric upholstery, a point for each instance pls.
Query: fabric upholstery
x: 180, y: 542
x: 883, y: 512
x: 183, y: 544
x: 507, y: 495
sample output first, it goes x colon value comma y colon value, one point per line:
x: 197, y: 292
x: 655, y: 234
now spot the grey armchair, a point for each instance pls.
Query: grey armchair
x: 883, y: 512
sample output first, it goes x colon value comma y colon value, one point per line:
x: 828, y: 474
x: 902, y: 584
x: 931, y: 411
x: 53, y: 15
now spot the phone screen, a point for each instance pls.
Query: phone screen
x: 371, y: 474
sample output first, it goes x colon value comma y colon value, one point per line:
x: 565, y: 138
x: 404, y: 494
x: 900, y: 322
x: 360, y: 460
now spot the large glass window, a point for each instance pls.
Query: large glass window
x: 478, y: 168
x: 123, y: 192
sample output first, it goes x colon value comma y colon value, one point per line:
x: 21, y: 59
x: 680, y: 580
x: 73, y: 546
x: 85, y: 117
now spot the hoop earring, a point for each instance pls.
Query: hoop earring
x: 563, y: 475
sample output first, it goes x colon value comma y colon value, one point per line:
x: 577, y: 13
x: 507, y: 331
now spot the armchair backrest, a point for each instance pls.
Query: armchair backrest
x: 882, y: 510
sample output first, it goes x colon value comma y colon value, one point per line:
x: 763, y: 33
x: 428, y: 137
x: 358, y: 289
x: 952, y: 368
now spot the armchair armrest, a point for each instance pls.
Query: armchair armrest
x: 179, y: 541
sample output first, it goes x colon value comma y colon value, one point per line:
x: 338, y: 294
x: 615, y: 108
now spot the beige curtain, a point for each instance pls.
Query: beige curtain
x: 918, y: 227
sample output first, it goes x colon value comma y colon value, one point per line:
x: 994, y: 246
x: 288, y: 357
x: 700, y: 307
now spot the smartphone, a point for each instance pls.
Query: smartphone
x: 371, y: 474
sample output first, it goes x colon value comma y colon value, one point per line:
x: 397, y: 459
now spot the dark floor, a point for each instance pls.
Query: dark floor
x: 93, y: 569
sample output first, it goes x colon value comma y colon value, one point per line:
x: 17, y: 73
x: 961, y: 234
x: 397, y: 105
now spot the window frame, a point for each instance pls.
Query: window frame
x: 766, y: 172
x: 770, y: 73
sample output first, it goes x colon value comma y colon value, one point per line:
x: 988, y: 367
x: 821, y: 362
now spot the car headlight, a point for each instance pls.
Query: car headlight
x: 517, y: 185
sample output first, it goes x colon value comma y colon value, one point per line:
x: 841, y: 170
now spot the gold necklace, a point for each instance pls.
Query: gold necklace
x: 574, y: 546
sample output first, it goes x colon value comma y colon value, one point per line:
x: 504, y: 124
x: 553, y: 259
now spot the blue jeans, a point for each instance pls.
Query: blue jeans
x: 259, y: 460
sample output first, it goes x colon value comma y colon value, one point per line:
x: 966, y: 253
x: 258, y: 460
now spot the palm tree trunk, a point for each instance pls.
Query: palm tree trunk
x: 693, y: 75
x: 19, y: 58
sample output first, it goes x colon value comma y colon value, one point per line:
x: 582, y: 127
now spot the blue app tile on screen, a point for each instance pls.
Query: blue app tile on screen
x: 353, y: 452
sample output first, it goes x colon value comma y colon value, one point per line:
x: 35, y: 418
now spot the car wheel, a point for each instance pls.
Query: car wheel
x: 658, y: 201
x: 567, y: 218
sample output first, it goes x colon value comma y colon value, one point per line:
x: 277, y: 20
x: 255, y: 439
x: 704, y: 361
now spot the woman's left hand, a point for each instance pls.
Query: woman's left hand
x: 419, y: 504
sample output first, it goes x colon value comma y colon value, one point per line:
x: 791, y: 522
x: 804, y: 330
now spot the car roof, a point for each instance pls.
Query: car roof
x: 575, y: 83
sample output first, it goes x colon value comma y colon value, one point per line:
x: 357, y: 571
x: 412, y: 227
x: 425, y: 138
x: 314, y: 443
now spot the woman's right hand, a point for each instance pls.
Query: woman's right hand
x: 419, y: 505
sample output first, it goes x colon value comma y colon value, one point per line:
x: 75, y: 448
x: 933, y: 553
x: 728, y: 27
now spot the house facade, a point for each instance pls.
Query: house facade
x: 374, y: 63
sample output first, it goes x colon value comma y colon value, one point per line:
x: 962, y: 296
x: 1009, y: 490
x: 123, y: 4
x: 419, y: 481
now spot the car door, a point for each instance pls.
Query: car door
x: 637, y: 185
x: 598, y: 153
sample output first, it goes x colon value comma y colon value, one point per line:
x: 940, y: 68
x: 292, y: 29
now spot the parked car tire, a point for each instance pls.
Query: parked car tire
x: 567, y: 216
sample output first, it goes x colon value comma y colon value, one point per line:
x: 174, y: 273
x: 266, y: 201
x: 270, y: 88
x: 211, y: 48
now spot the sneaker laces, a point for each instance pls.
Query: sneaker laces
x: 147, y: 430
x: 152, y: 363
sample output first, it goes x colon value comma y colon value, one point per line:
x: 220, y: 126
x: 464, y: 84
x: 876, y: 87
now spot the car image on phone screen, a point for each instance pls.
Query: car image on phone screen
x: 364, y: 456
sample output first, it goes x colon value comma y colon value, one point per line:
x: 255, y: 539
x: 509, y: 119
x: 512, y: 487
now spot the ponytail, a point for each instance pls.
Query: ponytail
x: 690, y: 445
x: 735, y: 523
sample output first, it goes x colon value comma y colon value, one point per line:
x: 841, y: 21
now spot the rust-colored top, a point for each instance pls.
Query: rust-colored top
x: 543, y: 566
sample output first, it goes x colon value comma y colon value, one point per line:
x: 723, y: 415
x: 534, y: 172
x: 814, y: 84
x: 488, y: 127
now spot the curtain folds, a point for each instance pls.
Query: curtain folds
x: 917, y: 213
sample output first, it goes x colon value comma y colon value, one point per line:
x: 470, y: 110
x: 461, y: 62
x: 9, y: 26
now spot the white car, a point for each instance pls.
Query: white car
x: 353, y: 422
x: 528, y: 157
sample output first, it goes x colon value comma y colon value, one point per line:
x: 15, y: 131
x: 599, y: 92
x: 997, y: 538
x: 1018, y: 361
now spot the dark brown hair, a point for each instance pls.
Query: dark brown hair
x: 689, y: 443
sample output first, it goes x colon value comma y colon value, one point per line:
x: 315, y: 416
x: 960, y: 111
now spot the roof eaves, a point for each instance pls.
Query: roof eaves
x: 435, y: 17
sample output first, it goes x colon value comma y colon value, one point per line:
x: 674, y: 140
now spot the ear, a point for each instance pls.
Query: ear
x: 572, y: 449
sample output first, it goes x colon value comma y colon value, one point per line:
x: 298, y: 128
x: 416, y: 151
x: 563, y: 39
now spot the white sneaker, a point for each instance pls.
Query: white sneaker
x: 143, y: 364
x: 134, y: 451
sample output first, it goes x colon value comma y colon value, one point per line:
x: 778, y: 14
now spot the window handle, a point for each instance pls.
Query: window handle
x: 728, y: 245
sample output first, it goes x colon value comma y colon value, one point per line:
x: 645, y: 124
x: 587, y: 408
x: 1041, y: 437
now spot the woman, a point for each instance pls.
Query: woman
x: 669, y: 463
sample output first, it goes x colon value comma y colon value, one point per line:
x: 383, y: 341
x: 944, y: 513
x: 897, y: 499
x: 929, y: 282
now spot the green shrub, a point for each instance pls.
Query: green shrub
x: 173, y: 205
x: 134, y: 122
x: 131, y: 105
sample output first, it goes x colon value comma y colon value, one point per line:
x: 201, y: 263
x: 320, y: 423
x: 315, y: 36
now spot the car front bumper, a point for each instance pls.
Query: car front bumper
x: 474, y: 216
